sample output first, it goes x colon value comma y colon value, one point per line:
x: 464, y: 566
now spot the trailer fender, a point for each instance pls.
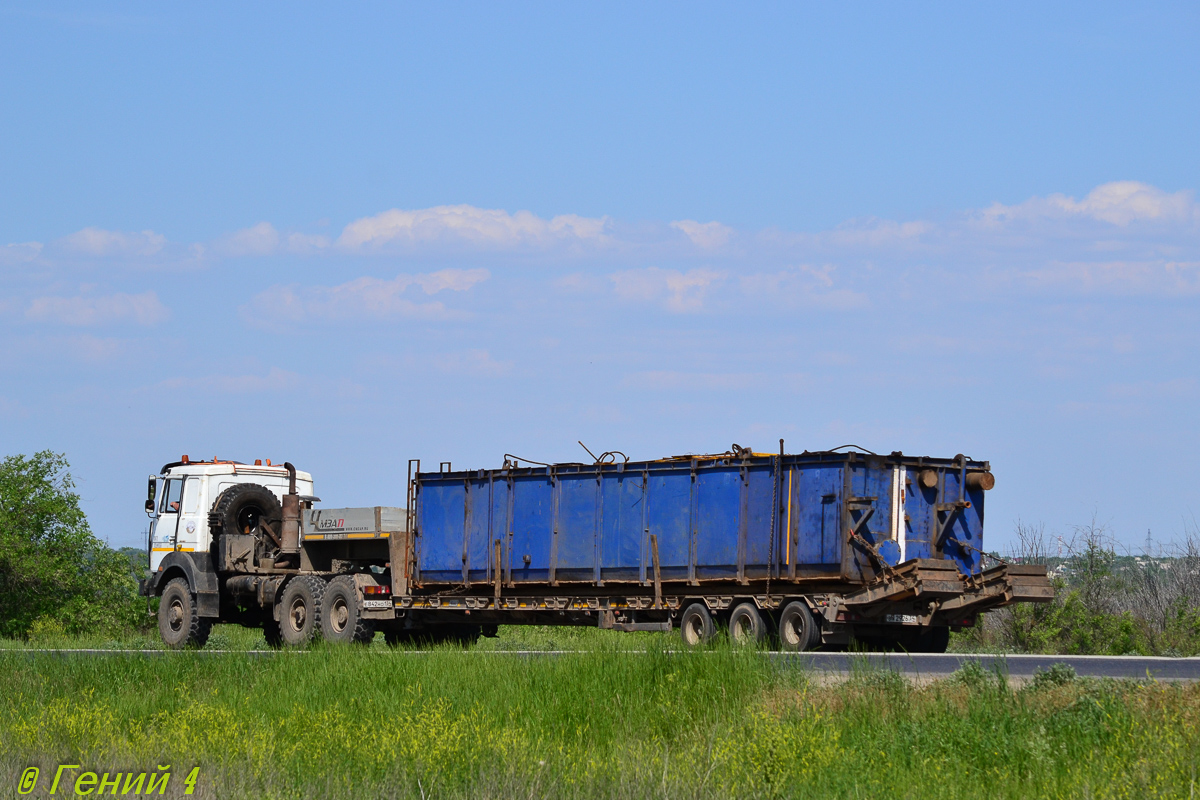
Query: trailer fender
x: 201, y: 580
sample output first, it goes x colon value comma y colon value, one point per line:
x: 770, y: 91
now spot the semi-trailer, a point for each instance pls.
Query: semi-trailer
x: 808, y: 550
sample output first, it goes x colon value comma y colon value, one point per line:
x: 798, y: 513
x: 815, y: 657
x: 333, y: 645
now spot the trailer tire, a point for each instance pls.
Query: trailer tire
x: 398, y: 637
x: 179, y: 620
x: 746, y: 626
x: 300, y: 609
x: 341, y: 617
x: 696, y: 626
x: 798, y: 630
x: 461, y: 635
x: 935, y: 640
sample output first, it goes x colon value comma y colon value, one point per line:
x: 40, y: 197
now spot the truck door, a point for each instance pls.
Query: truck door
x: 188, y: 531
x: 165, y: 527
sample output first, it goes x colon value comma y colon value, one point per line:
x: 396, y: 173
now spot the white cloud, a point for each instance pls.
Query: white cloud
x: 1175, y: 387
x: 1118, y: 203
x: 708, y: 235
x: 472, y: 363
x: 306, y: 243
x: 678, y: 291
x: 1112, y: 277
x: 275, y: 380
x: 93, y: 349
x: 19, y: 253
x: 265, y: 239
x: 865, y: 233
x: 258, y: 240
x: 143, y: 309
x: 804, y: 285
x: 98, y: 242
x: 364, y: 298
x: 669, y: 380
x: 481, y: 227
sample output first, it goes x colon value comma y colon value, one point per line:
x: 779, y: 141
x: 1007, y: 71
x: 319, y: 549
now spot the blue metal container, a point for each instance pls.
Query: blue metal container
x: 738, y: 518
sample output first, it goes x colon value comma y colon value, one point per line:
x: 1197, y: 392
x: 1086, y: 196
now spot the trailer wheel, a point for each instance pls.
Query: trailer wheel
x: 300, y: 609
x: 398, y: 637
x: 696, y: 625
x: 179, y: 621
x: 746, y: 626
x: 797, y: 629
x: 935, y: 640
x: 462, y: 635
x: 341, y: 618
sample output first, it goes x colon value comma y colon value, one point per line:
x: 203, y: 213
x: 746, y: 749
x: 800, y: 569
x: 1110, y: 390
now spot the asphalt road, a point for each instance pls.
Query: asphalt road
x: 1015, y: 666
x: 914, y: 665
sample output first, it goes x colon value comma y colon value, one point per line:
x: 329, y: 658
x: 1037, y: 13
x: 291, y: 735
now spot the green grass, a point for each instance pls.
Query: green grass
x: 337, y: 722
x: 237, y: 638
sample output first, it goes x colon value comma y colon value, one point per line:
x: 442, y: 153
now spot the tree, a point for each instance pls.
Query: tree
x: 52, y: 568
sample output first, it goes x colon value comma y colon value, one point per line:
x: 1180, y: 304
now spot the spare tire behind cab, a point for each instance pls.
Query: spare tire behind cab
x: 243, y: 508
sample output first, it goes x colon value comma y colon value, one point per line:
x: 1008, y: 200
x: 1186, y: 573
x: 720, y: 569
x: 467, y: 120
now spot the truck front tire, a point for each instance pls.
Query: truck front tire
x: 341, y: 617
x: 300, y: 610
x: 179, y: 621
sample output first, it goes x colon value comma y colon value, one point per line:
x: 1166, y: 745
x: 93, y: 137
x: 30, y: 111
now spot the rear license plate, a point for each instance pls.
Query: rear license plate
x: 377, y: 604
x: 904, y: 619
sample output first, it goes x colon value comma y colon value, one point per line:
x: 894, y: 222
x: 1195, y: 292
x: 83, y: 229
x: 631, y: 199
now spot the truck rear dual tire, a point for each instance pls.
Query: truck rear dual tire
x: 179, y: 621
x: 341, y: 616
x: 798, y: 628
x: 300, y: 610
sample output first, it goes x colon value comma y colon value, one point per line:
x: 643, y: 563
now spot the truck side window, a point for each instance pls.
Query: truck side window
x: 170, y: 496
x: 191, y: 496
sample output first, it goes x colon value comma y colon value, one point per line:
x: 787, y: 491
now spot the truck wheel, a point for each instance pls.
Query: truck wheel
x: 798, y: 630
x: 300, y: 609
x: 179, y: 622
x: 272, y: 633
x: 746, y: 626
x: 341, y: 618
x: 696, y: 625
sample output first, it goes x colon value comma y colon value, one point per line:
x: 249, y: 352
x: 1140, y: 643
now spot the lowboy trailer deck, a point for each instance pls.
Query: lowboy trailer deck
x: 806, y: 550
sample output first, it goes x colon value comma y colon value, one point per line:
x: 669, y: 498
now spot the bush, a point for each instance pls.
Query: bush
x: 1105, y: 604
x: 56, y: 577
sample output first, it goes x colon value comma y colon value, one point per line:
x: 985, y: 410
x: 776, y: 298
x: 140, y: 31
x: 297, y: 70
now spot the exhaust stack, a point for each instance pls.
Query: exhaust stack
x: 289, y: 549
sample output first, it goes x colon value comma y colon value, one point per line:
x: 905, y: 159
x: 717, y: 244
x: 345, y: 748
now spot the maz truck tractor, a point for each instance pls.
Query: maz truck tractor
x: 801, y: 551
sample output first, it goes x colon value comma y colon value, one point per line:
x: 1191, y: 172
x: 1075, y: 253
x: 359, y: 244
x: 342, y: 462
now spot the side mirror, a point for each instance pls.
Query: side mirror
x: 151, y: 490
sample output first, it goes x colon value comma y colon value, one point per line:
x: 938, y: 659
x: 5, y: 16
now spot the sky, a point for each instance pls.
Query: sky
x: 350, y: 237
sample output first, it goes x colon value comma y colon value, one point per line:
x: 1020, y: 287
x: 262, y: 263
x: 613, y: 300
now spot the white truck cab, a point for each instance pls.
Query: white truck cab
x: 180, y: 498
